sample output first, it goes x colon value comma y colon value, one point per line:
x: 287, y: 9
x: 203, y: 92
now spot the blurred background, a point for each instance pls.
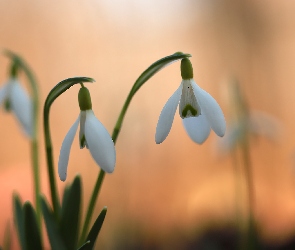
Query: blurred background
x: 176, y: 195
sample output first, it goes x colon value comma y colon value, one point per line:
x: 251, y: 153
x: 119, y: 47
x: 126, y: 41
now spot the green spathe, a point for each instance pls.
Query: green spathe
x: 186, y: 69
x: 84, y: 99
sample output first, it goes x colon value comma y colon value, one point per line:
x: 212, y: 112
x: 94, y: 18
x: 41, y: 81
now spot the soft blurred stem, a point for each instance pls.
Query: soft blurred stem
x: 34, y: 149
x: 241, y: 111
x: 251, y: 228
x: 238, y: 190
x: 249, y: 177
x: 146, y: 75
x: 18, y: 62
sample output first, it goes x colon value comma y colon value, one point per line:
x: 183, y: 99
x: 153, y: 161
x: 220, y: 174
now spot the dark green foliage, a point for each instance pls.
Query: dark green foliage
x: 70, y: 211
x: 91, y: 238
x: 52, y: 227
x: 32, y: 231
x: 19, y: 220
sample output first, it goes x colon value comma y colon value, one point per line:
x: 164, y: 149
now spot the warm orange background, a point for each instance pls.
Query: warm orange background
x: 178, y: 185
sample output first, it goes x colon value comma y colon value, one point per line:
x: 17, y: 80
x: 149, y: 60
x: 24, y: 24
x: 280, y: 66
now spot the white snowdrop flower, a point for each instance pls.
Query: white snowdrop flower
x: 16, y: 99
x: 198, y: 109
x: 92, y: 134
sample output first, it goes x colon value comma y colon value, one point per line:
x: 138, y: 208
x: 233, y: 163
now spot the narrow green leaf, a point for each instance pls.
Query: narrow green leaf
x: 52, y: 226
x: 84, y: 246
x: 19, y: 220
x: 69, y: 221
x: 155, y: 67
x: 32, y: 232
x: 65, y: 195
x: 94, y: 231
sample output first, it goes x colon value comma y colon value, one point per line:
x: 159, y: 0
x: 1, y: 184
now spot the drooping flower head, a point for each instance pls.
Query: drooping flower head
x: 198, y: 109
x: 92, y: 134
x: 16, y: 99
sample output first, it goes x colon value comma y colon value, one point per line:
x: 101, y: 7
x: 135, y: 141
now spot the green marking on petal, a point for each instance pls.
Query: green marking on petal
x: 7, y: 105
x: 83, y: 142
x: 188, y: 108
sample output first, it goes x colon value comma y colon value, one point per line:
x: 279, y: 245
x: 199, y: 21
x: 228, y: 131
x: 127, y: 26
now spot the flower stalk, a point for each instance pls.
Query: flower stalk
x: 18, y: 63
x: 54, y: 93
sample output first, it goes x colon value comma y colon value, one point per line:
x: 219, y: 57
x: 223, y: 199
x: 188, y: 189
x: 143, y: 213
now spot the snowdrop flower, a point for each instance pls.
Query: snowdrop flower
x: 254, y: 123
x: 92, y: 134
x: 16, y: 99
x: 198, y: 109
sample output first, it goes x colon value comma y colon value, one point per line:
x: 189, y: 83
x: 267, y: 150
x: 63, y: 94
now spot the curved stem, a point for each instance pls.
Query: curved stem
x: 50, y: 167
x: 60, y: 88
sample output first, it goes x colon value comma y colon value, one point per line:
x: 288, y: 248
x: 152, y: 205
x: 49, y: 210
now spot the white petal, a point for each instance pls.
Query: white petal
x: 167, y: 115
x: 22, y: 106
x: 3, y: 92
x: 100, y: 143
x: 211, y: 109
x: 197, y: 128
x: 65, y: 151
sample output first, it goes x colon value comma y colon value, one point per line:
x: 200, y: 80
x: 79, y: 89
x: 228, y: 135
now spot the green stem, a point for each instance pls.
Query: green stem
x: 60, y: 88
x: 91, y: 206
x: 35, y: 153
x: 101, y: 175
x: 50, y: 167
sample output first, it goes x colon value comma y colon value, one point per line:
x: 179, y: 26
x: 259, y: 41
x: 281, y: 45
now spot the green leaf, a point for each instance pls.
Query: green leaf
x: 19, y: 220
x: 32, y: 233
x: 84, y: 246
x: 94, y: 231
x: 65, y: 195
x: 52, y: 226
x: 155, y: 67
x: 70, y: 211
